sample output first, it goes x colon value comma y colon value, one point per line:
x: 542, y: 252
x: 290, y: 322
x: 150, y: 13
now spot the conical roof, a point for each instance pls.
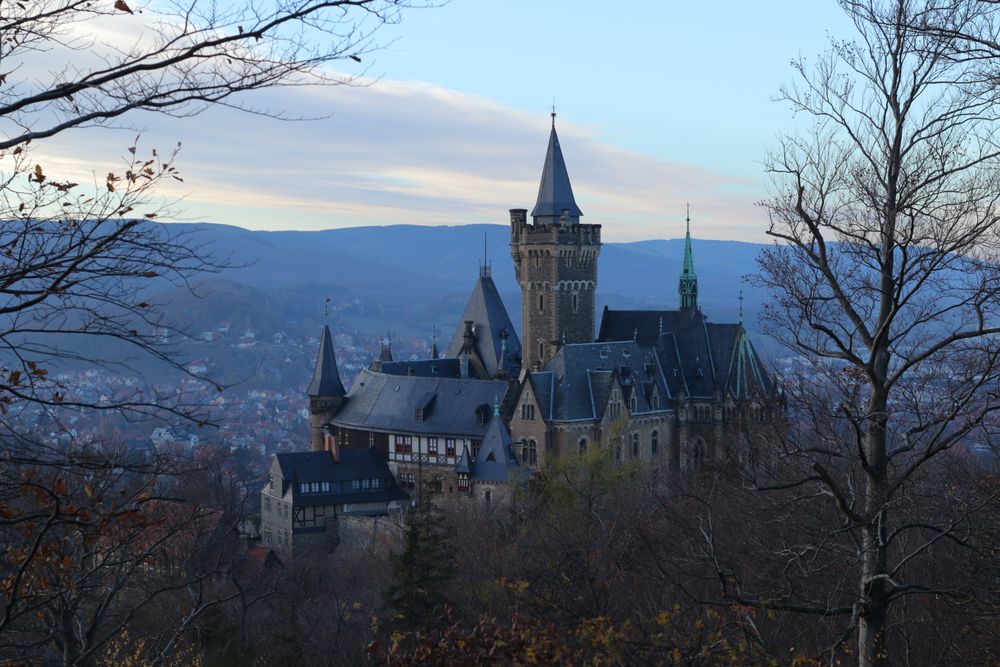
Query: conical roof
x: 496, y: 461
x: 326, y: 378
x: 491, y: 323
x: 555, y: 194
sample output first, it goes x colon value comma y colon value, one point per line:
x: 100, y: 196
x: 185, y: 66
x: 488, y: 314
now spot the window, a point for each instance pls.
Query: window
x: 303, y: 488
x: 529, y: 452
x: 267, y: 504
x: 463, y: 481
x: 270, y: 484
x: 583, y: 446
x: 314, y: 487
x: 407, y: 480
x: 698, y: 453
x: 654, y: 442
x: 432, y: 446
x: 420, y: 414
x: 376, y: 484
x: 527, y: 412
x: 635, y: 445
x: 631, y: 404
x: 541, y: 303
x: 476, y: 444
x: 356, y: 484
x: 656, y: 401
x: 449, y: 446
x: 576, y: 303
x: 324, y: 487
x: 366, y: 484
x: 541, y: 350
x: 404, y: 444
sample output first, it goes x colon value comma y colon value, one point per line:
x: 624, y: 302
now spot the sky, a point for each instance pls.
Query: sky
x: 658, y: 104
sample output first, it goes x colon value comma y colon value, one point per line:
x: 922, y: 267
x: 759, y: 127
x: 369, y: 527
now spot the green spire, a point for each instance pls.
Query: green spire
x: 688, y: 286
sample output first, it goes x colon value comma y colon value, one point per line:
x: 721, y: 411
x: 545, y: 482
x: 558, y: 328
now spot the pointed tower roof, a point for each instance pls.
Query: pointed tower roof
x: 326, y: 378
x: 496, y: 461
x: 464, y: 463
x: 555, y: 194
x: 688, y: 285
x: 494, y: 337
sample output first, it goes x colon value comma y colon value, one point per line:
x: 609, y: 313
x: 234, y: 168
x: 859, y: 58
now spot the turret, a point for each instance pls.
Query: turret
x: 687, y: 287
x: 326, y: 391
x: 555, y: 260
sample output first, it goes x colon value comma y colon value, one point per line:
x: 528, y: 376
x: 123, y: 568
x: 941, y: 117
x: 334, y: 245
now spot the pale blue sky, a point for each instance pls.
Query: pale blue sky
x: 659, y: 103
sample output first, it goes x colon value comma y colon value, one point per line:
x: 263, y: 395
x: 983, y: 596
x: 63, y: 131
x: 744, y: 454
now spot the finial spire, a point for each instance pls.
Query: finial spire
x: 553, y: 112
x: 741, y: 306
x: 688, y: 286
x: 496, y: 405
x: 326, y: 310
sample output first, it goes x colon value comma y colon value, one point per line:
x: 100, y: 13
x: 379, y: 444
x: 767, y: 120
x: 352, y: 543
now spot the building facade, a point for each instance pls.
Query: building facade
x: 666, y: 387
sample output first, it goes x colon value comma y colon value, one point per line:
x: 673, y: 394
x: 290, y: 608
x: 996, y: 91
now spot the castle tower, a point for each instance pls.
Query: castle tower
x: 555, y: 260
x: 687, y: 287
x: 326, y: 391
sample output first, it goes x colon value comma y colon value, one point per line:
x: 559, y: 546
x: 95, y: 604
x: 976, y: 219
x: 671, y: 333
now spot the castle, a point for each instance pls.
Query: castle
x: 663, y: 386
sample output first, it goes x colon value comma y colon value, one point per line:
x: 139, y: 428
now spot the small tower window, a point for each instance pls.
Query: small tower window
x: 541, y: 350
x: 654, y: 442
x: 583, y: 446
x: 576, y: 302
x: 635, y: 445
x: 541, y: 303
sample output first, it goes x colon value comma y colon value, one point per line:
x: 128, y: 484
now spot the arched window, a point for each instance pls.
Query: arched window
x: 583, y: 446
x: 654, y: 442
x: 698, y: 453
x: 635, y: 445
x: 529, y: 452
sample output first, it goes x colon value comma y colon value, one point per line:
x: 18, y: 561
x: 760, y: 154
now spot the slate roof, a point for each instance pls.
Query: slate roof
x: 326, y: 378
x: 298, y: 467
x: 491, y: 322
x: 579, y: 378
x: 555, y: 194
x: 695, y: 355
x: 496, y: 461
x: 382, y: 402
x: 447, y: 368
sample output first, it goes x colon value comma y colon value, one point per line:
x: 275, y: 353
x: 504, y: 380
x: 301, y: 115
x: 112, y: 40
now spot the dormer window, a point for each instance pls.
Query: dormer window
x: 631, y: 404
x: 420, y: 414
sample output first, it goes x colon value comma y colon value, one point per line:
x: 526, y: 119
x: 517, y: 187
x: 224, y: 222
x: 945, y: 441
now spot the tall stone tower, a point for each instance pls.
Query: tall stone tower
x: 326, y: 391
x: 555, y: 260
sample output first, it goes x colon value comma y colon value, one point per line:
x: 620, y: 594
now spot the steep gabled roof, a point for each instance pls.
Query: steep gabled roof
x: 580, y: 377
x: 555, y: 194
x: 326, y: 378
x: 494, y: 336
x: 496, y: 461
x: 382, y: 402
x: 697, y: 357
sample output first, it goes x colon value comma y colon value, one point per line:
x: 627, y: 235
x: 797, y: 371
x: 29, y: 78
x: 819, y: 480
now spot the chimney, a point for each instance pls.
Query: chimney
x: 330, y: 442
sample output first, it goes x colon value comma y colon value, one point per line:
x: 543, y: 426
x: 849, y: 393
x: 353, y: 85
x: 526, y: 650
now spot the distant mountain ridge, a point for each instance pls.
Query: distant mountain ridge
x: 409, y: 278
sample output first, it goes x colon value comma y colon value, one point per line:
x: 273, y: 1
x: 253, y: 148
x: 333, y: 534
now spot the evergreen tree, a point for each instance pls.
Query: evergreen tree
x: 421, y: 571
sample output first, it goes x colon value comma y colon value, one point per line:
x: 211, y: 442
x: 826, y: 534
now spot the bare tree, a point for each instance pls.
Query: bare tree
x: 179, y: 57
x: 886, y: 283
x: 93, y: 540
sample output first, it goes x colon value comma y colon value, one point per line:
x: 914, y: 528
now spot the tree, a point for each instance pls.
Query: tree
x: 886, y: 283
x: 187, y: 56
x: 421, y: 571
x: 82, y: 524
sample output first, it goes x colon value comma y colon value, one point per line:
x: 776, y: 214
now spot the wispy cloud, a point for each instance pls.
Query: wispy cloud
x: 407, y: 152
